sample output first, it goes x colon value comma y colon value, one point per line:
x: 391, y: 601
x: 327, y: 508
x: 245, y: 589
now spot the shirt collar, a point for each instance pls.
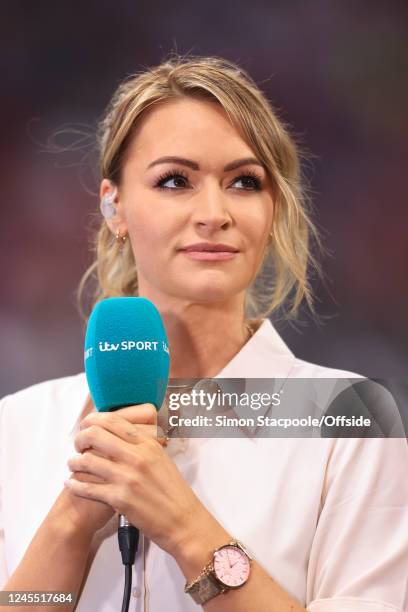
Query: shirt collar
x: 264, y: 356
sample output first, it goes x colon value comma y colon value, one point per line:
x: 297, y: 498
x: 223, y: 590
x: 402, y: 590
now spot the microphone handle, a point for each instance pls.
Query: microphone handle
x: 128, y: 538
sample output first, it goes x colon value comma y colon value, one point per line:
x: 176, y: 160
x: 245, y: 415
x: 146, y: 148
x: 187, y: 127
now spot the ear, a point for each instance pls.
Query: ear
x: 117, y: 223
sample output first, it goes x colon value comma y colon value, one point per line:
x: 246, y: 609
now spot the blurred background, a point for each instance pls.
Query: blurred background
x: 337, y: 73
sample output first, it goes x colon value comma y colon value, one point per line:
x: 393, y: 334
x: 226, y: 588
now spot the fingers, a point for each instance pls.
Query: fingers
x: 117, y: 425
x: 91, y: 490
x: 85, y: 477
x: 109, y: 447
x: 119, y: 443
x: 94, y: 466
x: 143, y: 414
x: 115, y: 436
x: 104, y: 442
x: 123, y: 428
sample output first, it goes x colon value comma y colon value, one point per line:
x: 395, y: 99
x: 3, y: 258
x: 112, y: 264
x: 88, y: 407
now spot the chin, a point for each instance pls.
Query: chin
x: 210, y: 291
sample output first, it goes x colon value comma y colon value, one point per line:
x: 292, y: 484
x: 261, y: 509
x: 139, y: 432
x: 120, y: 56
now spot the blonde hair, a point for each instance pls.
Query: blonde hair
x: 283, y: 275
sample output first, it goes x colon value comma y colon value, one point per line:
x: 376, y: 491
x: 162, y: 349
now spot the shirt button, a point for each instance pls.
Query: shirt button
x: 136, y: 592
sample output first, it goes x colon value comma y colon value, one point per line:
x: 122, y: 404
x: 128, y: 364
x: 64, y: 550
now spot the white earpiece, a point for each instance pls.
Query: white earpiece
x: 107, y: 205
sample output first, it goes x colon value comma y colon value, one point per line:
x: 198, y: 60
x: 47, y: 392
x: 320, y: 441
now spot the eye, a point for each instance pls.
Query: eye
x: 170, y: 174
x: 254, y: 179
x: 249, y: 177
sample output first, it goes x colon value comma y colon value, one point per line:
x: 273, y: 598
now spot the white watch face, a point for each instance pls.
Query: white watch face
x: 231, y: 566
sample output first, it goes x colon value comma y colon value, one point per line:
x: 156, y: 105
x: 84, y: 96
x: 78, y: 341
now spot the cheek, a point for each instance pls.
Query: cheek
x: 151, y: 236
x: 257, y: 227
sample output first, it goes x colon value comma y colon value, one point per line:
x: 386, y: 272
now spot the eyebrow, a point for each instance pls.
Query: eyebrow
x: 191, y: 164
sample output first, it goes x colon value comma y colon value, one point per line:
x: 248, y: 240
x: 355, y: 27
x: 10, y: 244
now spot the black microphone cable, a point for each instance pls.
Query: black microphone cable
x: 128, y: 538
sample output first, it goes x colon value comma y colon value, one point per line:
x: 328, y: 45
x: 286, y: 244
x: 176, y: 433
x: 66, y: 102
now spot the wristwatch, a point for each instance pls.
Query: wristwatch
x: 229, y: 569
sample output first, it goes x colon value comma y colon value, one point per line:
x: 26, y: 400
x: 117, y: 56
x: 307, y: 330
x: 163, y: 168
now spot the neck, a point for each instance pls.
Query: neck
x: 203, y: 338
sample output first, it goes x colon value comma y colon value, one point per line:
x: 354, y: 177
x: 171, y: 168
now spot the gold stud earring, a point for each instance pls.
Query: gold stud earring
x: 120, y: 239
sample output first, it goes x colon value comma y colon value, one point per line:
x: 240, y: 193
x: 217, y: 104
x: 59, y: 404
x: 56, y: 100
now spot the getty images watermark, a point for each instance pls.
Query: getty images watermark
x: 292, y: 407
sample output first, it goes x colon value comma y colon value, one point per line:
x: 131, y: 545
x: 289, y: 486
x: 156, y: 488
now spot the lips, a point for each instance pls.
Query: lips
x: 211, y: 248
x: 208, y: 252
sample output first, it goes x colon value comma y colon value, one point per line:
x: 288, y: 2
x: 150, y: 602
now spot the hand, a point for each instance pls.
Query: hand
x: 90, y: 515
x: 86, y: 515
x: 139, y: 480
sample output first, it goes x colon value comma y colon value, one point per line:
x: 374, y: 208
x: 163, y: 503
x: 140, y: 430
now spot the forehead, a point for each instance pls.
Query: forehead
x: 187, y: 128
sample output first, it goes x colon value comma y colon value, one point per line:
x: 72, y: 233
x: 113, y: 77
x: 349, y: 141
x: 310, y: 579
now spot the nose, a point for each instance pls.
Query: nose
x: 211, y: 210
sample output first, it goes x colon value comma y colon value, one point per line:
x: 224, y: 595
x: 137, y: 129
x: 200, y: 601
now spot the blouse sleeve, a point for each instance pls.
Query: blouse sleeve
x: 359, y: 554
x: 3, y: 567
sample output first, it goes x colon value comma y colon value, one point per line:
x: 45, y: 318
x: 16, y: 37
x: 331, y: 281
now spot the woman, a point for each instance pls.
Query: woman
x: 194, y: 159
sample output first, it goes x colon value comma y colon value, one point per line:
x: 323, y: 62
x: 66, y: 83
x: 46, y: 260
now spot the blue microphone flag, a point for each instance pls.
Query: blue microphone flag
x: 126, y: 353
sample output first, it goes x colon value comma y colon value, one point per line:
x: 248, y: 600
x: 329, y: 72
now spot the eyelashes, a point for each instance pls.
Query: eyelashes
x: 170, y: 174
x: 255, y: 179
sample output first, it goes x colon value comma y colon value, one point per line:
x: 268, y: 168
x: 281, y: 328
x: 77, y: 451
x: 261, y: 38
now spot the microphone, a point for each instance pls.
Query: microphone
x: 127, y: 362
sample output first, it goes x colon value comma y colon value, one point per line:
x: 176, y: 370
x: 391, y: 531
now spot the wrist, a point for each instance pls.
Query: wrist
x: 68, y: 521
x: 194, y: 548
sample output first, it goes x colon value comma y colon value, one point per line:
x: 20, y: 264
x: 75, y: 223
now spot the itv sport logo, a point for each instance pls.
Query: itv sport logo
x: 128, y: 345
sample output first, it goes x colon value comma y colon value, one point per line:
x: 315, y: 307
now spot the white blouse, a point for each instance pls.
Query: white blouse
x: 327, y: 518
